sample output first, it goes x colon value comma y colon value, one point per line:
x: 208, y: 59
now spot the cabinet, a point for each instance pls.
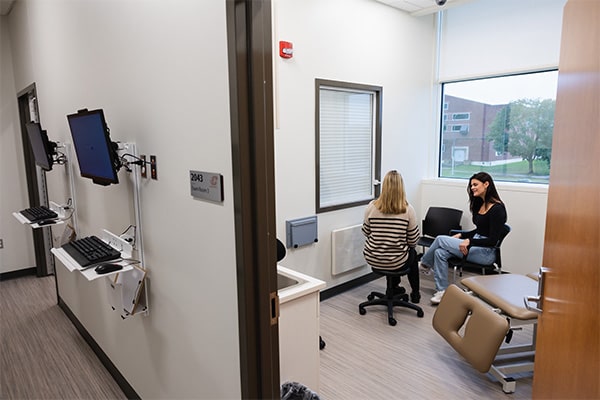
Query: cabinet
x: 299, y: 327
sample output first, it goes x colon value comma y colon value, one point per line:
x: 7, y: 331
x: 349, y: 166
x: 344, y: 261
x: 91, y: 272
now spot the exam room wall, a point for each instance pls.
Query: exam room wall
x: 17, y: 240
x: 159, y: 70
x: 396, y: 51
x: 358, y: 41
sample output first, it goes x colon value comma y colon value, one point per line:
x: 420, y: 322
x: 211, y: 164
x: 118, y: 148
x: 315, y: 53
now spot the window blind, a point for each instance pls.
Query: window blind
x: 346, y: 135
x: 491, y: 37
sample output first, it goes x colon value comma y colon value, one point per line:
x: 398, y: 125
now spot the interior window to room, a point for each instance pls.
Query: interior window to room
x: 348, y: 137
x: 509, y: 129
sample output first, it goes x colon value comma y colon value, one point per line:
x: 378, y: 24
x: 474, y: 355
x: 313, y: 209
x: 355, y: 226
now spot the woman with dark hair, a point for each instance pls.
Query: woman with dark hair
x: 392, y: 231
x: 489, y: 217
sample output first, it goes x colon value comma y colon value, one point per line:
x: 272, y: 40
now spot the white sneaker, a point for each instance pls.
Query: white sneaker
x: 425, y: 270
x: 437, y: 297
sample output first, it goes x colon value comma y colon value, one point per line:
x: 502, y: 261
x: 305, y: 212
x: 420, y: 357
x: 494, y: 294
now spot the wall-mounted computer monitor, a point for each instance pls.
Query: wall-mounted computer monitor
x: 43, y: 149
x: 96, y: 153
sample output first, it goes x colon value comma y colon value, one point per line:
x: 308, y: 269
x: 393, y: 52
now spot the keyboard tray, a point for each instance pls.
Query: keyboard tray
x: 90, y: 250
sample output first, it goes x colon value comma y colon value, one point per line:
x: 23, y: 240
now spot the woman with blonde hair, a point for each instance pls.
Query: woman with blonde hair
x: 391, y: 230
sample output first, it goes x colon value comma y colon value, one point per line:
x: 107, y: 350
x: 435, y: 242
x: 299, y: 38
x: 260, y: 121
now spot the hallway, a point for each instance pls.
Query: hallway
x: 42, y: 355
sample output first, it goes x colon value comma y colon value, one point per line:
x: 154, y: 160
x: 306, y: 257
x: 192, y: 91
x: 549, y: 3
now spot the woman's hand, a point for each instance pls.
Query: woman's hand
x: 464, y: 246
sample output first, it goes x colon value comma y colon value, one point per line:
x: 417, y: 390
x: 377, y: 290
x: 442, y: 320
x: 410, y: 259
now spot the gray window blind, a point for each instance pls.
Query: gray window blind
x: 346, y: 138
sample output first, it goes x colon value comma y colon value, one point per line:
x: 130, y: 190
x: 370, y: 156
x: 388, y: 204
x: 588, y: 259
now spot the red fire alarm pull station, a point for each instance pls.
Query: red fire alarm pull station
x: 286, y: 49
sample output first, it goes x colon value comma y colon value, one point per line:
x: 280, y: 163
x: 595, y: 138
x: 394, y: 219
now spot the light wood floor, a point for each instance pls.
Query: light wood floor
x: 366, y: 358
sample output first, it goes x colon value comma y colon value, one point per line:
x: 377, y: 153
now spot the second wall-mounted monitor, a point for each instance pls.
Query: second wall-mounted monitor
x: 43, y: 149
x: 96, y: 153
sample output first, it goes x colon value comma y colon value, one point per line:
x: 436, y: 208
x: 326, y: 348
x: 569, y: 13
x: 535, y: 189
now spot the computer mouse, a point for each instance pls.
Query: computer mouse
x: 46, y: 222
x: 106, y: 268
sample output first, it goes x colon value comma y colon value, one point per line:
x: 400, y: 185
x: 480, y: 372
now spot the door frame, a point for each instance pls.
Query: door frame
x: 252, y: 129
x: 37, y: 190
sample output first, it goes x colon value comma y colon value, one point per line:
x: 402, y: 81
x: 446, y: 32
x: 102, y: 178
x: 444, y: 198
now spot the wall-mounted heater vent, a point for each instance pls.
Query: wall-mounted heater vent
x: 347, y: 249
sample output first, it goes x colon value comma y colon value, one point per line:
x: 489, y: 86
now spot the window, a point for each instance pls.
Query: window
x: 461, y: 116
x: 463, y: 128
x: 509, y: 134
x: 348, y: 137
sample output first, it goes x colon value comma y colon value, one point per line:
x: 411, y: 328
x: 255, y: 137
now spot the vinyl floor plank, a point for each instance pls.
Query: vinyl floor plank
x: 366, y: 358
x: 42, y: 355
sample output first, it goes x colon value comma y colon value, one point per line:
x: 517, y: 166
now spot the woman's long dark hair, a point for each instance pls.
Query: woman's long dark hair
x: 491, y: 194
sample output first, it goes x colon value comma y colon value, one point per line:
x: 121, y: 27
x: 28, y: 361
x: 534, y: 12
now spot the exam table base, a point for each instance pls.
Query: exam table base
x: 512, y: 360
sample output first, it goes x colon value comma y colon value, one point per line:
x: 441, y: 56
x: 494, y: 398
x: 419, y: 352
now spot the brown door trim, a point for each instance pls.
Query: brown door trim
x: 251, y: 100
x: 41, y: 241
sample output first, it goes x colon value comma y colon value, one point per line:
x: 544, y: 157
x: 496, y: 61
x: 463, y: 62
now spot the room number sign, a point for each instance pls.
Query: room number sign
x: 206, y: 185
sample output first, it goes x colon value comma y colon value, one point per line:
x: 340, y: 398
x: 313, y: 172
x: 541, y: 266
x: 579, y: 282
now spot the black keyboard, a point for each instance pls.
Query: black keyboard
x: 38, y: 213
x: 90, y: 250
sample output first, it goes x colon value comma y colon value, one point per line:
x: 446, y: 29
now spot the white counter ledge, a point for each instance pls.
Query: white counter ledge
x: 299, y: 327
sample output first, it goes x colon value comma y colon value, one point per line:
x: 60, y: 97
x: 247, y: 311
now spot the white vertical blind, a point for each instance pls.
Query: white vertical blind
x: 346, y: 137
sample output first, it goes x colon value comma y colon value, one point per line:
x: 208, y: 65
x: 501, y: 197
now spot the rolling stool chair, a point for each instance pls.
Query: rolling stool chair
x: 391, y: 299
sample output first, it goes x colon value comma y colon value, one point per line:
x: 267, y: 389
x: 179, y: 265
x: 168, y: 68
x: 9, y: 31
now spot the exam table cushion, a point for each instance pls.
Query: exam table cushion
x: 506, y: 292
x: 484, y: 330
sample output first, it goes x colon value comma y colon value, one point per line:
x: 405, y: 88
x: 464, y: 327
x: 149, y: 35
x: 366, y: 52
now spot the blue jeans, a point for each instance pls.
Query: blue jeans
x: 444, y: 247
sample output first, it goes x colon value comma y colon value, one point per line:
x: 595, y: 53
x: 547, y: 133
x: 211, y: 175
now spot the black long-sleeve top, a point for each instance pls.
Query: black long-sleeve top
x: 488, y: 225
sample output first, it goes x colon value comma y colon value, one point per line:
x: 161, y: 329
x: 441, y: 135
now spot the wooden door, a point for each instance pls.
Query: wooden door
x: 567, y: 363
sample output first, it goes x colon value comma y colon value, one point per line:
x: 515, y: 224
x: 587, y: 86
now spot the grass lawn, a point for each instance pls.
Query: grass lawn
x: 513, y: 172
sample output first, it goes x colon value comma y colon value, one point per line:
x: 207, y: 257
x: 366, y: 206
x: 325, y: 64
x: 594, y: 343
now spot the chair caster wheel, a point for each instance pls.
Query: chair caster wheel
x: 321, y: 343
x: 370, y: 297
x: 392, y: 321
x: 420, y: 313
x: 362, y: 311
x: 405, y: 297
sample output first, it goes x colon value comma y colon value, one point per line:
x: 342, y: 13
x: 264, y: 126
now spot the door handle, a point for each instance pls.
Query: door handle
x: 274, y: 300
x: 529, y: 299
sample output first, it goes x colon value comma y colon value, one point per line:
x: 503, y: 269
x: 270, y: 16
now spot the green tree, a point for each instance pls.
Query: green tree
x: 524, y: 128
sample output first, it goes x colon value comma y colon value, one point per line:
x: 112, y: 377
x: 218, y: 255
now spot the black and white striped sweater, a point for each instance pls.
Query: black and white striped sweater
x: 389, y: 237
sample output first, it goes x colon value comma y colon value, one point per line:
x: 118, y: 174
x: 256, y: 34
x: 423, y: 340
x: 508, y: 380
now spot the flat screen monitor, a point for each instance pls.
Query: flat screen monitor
x: 96, y: 154
x: 43, y: 149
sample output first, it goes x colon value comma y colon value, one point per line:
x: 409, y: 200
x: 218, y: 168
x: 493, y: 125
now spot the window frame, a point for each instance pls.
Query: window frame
x: 446, y: 124
x: 376, y: 140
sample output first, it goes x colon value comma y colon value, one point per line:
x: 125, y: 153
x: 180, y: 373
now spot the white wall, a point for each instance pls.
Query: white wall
x: 358, y: 41
x: 18, y: 252
x: 159, y: 70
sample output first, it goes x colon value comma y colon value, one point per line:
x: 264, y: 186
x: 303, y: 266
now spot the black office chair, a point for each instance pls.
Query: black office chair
x: 438, y: 221
x: 458, y: 263
x: 391, y: 299
x: 280, y: 250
